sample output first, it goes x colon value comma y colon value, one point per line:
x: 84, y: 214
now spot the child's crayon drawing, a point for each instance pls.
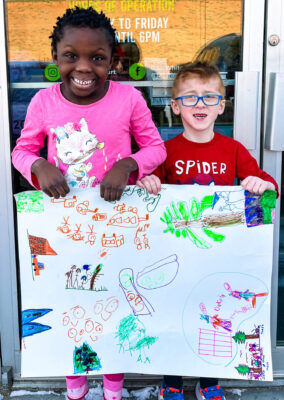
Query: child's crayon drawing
x: 138, y: 303
x: 30, y: 328
x: 132, y: 338
x: 159, y: 274
x: 151, y: 200
x: 252, y: 360
x: 83, y: 326
x: 183, y: 218
x: 124, y: 292
x: 30, y: 202
x: 39, y: 246
x: 85, y: 278
x: 85, y: 359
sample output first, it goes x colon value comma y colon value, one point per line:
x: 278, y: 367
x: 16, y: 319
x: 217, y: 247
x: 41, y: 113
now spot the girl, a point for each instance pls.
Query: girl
x: 88, y: 122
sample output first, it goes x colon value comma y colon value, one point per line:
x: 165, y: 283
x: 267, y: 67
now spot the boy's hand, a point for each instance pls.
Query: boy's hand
x: 114, y: 182
x: 151, y: 183
x: 50, y: 179
x: 256, y: 185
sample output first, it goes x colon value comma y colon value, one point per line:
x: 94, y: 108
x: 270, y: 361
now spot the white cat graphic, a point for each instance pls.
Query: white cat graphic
x: 74, y: 145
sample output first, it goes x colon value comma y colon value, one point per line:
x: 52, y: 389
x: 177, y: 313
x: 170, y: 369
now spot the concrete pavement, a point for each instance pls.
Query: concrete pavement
x: 234, y: 390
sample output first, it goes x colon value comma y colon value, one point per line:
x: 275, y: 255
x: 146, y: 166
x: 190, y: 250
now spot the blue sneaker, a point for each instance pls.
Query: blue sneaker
x: 209, y: 393
x: 169, y: 393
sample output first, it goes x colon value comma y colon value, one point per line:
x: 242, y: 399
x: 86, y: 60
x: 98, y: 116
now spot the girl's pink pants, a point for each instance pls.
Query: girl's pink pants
x: 77, y: 386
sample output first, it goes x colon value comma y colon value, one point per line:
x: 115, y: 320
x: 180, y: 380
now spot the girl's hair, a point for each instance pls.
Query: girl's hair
x: 83, y: 18
x: 198, y: 69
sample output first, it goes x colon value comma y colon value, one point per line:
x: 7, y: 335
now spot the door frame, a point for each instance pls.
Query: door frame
x: 9, y: 323
x: 252, y: 58
x: 272, y: 160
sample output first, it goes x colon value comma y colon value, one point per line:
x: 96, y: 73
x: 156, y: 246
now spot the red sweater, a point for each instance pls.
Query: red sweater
x: 219, y: 161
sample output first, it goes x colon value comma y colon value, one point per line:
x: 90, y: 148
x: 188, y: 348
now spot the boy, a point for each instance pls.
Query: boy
x: 201, y: 156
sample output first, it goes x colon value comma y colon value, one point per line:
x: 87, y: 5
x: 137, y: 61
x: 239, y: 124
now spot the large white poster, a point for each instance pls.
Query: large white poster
x: 175, y: 284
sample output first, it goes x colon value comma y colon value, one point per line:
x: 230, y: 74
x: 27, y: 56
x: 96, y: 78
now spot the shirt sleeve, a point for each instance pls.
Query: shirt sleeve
x: 247, y: 166
x: 31, y: 141
x: 152, y: 151
x: 161, y: 173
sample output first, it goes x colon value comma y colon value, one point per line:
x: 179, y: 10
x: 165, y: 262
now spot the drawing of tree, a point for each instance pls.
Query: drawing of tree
x: 95, y: 275
x: 85, y: 359
x: 182, y: 219
x: 241, y: 337
x: 246, y: 370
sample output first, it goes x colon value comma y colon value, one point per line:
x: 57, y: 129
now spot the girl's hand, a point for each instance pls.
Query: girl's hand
x: 50, y: 179
x: 256, y: 185
x: 151, y: 183
x: 114, y: 182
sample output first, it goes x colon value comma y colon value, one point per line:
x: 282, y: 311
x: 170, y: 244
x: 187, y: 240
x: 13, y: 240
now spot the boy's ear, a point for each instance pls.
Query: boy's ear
x: 222, y: 106
x: 175, y: 107
x: 54, y: 57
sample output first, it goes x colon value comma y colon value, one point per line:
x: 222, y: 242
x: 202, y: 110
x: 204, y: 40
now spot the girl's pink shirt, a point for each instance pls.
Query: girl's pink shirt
x: 85, y: 141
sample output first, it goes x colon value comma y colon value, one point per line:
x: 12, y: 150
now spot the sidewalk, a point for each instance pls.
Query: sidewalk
x: 234, y: 390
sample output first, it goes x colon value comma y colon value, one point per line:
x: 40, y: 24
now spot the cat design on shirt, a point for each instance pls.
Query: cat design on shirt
x: 75, y: 144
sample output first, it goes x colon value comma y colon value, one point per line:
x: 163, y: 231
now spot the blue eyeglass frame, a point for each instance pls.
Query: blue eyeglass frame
x: 200, y: 98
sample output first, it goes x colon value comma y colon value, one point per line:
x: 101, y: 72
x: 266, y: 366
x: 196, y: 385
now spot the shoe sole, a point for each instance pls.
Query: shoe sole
x: 197, y: 394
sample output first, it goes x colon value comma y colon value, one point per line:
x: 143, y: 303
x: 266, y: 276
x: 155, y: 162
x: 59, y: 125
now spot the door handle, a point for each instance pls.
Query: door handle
x: 246, y: 115
x: 274, y: 129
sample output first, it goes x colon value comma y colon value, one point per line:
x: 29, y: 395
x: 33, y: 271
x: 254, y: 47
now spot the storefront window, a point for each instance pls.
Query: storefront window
x: 155, y: 37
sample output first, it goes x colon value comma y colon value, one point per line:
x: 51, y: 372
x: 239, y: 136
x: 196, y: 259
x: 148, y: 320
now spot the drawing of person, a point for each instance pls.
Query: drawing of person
x: 83, y: 281
x: 76, y: 282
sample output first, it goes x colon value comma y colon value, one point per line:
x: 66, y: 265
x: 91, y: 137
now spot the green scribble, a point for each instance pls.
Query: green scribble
x: 147, y: 281
x: 126, y: 280
x: 30, y: 202
x: 194, y: 209
x: 182, y: 218
x: 145, y: 342
x: 158, y: 279
x: 152, y: 201
x: 268, y: 203
x: 168, y: 219
x: 240, y: 337
x: 199, y: 242
x: 131, y: 334
x: 206, y: 202
x: 177, y: 215
x: 214, y: 236
x: 184, y: 211
x: 86, y: 359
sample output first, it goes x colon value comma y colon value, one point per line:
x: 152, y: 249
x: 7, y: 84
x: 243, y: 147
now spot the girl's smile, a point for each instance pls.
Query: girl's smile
x: 84, y: 57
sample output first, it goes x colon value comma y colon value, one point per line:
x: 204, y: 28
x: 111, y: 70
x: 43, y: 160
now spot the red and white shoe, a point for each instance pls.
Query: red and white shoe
x: 209, y: 393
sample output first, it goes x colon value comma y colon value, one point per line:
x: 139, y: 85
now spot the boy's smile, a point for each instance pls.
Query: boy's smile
x: 198, y: 120
x: 84, y: 58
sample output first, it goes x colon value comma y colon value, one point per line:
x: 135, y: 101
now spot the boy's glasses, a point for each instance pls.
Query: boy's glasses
x: 208, y: 99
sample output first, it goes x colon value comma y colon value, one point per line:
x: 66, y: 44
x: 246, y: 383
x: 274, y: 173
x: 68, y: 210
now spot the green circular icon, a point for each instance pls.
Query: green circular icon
x: 137, y: 71
x: 51, y: 72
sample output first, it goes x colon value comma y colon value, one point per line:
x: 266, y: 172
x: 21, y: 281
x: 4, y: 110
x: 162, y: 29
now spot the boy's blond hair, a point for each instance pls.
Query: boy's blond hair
x: 201, y: 70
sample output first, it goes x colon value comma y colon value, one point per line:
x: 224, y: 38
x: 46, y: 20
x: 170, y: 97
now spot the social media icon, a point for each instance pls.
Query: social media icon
x: 51, y: 72
x: 137, y: 71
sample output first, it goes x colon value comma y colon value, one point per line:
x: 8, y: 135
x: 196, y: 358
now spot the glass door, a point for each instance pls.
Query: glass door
x: 155, y: 37
x: 273, y: 160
